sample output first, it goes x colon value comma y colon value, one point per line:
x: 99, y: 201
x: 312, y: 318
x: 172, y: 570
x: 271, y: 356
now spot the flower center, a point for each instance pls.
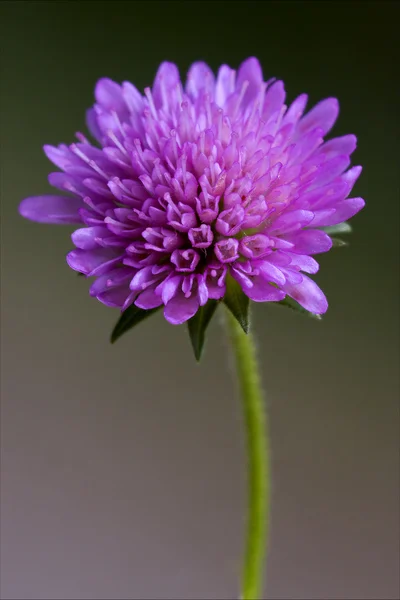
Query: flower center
x: 227, y: 250
x: 201, y: 237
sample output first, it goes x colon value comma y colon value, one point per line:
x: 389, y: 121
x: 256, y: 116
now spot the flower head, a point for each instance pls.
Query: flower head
x: 190, y: 186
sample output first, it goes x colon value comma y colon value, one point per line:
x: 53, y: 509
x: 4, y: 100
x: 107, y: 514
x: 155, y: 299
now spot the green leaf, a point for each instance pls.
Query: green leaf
x: 293, y: 305
x: 338, y: 243
x: 237, y: 302
x: 198, y: 324
x: 132, y: 316
x: 339, y: 228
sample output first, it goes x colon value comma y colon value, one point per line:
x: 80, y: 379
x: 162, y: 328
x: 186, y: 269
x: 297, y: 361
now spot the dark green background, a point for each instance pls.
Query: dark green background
x: 122, y: 466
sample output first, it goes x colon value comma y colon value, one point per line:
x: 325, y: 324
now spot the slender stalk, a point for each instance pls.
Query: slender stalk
x: 257, y: 459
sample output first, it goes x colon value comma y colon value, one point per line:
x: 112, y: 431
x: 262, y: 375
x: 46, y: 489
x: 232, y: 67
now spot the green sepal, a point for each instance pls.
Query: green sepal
x: 131, y: 317
x: 237, y: 302
x: 198, y: 324
x: 293, y: 305
x: 339, y: 228
x: 338, y: 243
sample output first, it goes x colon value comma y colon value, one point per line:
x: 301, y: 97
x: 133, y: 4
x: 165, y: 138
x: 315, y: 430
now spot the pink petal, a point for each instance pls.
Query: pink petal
x: 291, y: 221
x: 85, y: 238
x: 323, y: 115
x: 67, y: 183
x: 169, y: 287
x: 148, y: 299
x: 62, y: 157
x: 202, y: 290
x: 215, y: 281
x: 329, y: 170
x: 114, y: 297
x: 306, y: 145
x: 166, y: 84
x: 270, y: 272
x: 111, y: 279
x: 129, y: 300
x: 322, y: 216
x: 225, y: 85
x: 274, y: 99
x: 59, y: 210
x: 303, y: 262
x: 119, y: 275
x: 241, y: 277
x: 141, y: 278
x: 108, y: 95
x: 344, y: 210
x: 309, y: 241
x: 262, y: 291
x: 250, y: 71
x: 133, y: 98
x: 295, y: 110
x: 279, y: 258
x: 200, y: 79
x: 179, y: 309
x: 92, y: 125
x: 99, y: 285
x: 351, y: 176
x: 321, y: 197
x: 308, y: 295
x: 92, y: 262
x: 292, y: 276
x: 215, y: 291
x: 340, y: 145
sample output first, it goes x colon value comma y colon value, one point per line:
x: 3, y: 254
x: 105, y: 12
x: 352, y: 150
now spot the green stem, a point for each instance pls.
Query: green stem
x: 257, y: 457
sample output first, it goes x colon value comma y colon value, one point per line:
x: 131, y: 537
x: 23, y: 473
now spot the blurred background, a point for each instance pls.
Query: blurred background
x: 122, y: 467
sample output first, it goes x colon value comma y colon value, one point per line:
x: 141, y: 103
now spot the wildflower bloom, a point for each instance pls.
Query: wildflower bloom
x: 193, y: 185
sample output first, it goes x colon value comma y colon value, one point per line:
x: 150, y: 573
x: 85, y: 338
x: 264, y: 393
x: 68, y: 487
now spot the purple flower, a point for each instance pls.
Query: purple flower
x: 190, y: 186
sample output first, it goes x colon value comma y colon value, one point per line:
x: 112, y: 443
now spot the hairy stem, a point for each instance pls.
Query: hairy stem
x: 257, y: 459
